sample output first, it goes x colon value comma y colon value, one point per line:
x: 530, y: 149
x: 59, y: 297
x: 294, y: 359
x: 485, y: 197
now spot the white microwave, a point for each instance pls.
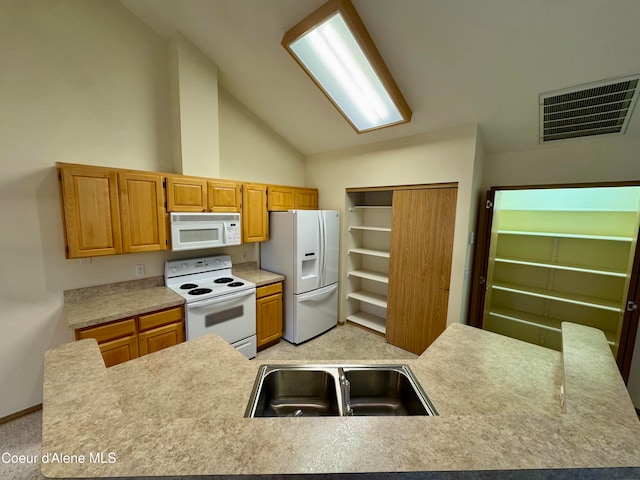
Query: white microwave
x: 192, y: 231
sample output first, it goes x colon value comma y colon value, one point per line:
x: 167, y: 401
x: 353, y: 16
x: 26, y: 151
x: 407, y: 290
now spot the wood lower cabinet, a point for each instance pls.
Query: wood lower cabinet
x: 91, y: 211
x: 269, y: 314
x: 160, y: 330
x: 119, y: 350
x: 255, y: 217
x: 130, y: 338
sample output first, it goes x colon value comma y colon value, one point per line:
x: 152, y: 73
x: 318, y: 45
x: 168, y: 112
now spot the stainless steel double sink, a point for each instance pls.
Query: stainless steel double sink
x: 337, y: 390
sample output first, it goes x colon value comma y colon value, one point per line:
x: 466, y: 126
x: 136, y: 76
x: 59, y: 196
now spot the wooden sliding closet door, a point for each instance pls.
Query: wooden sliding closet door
x: 420, y: 266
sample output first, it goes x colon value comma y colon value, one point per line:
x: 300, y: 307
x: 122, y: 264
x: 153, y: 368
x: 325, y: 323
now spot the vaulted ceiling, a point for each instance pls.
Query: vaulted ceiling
x: 457, y: 62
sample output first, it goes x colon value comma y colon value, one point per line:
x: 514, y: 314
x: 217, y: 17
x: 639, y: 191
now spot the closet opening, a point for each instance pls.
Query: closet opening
x: 551, y: 254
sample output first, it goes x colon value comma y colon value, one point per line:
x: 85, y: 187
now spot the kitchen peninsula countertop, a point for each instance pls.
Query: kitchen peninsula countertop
x: 179, y: 412
x: 90, y: 306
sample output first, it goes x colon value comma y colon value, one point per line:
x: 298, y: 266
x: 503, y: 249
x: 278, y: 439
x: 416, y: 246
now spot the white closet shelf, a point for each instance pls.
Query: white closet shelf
x: 369, y: 229
x: 566, y: 235
x: 370, y: 251
x: 369, y: 297
x: 570, y: 268
x: 370, y: 275
x: 371, y: 207
x: 539, y: 321
x: 572, y: 298
x: 367, y: 320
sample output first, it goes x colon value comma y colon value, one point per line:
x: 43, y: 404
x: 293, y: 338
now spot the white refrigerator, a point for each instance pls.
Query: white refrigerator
x: 304, y: 247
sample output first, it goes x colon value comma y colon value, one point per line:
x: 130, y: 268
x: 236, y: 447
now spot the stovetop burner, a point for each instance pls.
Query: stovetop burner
x: 204, y: 278
x: 200, y: 291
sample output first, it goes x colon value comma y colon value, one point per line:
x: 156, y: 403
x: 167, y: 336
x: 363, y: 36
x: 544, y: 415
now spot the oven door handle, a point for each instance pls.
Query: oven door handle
x: 220, y: 301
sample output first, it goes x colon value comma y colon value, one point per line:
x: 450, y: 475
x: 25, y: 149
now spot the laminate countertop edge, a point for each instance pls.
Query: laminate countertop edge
x: 179, y: 413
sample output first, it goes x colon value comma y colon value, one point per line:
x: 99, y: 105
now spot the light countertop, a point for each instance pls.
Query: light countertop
x: 179, y: 412
x: 251, y: 272
x: 117, y: 306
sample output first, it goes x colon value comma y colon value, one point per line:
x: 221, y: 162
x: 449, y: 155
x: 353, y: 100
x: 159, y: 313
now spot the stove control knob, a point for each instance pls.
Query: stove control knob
x: 183, y: 266
x: 174, y: 269
x: 217, y: 261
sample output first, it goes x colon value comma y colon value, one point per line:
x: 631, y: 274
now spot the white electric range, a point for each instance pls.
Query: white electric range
x: 216, y: 301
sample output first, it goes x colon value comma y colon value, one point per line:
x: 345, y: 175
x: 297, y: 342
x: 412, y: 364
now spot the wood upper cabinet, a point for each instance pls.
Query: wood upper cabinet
x: 142, y: 212
x: 223, y: 196
x: 280, y: 198
x: 91, y: 211
x: 305, y: 199
x: 268, y: 314
x: 420, y: 266
x: 186, y: 194
x: 255, y: 217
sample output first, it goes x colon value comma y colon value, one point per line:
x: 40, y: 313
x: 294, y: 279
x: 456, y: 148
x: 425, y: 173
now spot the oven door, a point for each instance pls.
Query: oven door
x: 195, y: 235
x: 231, y: 316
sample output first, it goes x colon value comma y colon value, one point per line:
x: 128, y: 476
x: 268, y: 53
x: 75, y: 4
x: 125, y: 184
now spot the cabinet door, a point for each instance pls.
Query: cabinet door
x: 118, y: 341
x: 161, y: 337
x: 305, y: 199
x: 420, y: 266
x: 224, y: 196
x: 280, y: 198
x: 120, y: 350
x: 142, y: 212
x: 186, y: 194
x: 255, y: 217
x: 91, y: 212
x: 269, y: 314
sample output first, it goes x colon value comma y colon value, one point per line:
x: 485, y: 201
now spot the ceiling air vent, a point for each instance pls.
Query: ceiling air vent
x: 602, y: 108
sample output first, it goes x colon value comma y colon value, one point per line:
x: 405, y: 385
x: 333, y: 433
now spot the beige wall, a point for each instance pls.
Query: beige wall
x: 446, y: 156
x: 267, y: 158
x: 85, y: 82
x: 194, y: 90
x: 603, y: 159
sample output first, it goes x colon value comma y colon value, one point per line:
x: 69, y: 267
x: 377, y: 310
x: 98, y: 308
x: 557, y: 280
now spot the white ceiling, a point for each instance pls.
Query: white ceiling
x: 457, y: 61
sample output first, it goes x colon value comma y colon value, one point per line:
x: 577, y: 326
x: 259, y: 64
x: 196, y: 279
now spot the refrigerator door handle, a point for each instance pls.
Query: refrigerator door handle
x: 322, y: 249
x: 317, y: 295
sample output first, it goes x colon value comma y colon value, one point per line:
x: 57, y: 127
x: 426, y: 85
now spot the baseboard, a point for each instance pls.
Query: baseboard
x: 21, y: 413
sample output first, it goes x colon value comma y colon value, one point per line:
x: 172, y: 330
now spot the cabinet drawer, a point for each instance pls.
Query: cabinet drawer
x: 111, y: 331
x: 158, y: 319
x: 269, y: 290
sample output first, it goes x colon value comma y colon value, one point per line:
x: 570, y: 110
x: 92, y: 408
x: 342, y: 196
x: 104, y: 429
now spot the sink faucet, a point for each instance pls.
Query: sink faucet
x: 346, y: 393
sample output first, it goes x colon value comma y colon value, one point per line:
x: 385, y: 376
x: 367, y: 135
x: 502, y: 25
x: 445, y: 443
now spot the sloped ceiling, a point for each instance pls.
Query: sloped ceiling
x: 457, y: 61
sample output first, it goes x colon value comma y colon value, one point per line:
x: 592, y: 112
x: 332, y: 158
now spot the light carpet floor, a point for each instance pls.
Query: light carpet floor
x: 346, y: 342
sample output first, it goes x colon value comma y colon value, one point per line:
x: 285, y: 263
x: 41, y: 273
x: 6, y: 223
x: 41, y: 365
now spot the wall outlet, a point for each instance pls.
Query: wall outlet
x: 86, y: 260
x: 140, y: 270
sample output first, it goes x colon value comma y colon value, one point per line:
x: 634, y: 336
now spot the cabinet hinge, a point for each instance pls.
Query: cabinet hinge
x: 489, y: 204
x: 631, y: 306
